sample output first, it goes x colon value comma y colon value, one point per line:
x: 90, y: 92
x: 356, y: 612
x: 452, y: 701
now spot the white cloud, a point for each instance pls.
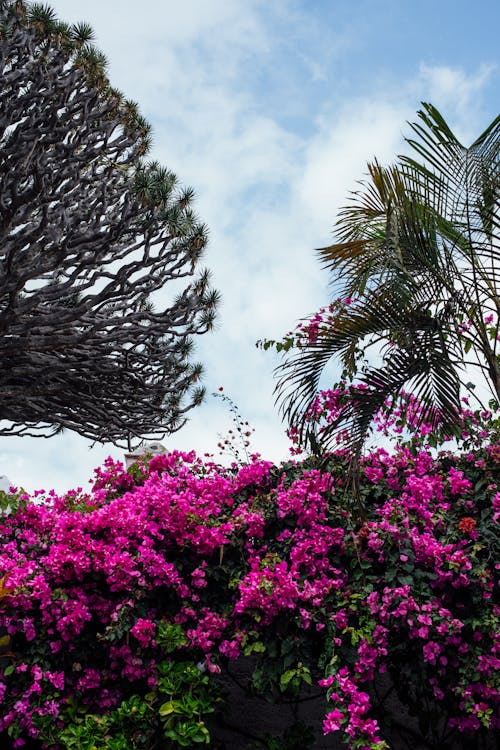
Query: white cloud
x: 62, y: 462
x: 456, y: 93
x: 345, y: 140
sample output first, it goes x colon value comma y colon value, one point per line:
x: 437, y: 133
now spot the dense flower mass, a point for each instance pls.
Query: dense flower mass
x: 110, y: 599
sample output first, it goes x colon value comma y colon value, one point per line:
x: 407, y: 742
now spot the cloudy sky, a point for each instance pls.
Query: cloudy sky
x: 270, y: 110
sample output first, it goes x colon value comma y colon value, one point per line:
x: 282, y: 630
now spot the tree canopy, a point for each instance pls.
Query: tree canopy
x: 100, y: 249
x: 416, y: 275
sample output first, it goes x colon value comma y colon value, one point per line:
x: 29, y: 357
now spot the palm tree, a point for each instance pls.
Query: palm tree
x: 417, y: 251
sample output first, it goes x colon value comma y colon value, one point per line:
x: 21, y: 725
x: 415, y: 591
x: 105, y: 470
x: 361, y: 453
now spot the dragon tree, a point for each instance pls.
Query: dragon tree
x: 102, y: 292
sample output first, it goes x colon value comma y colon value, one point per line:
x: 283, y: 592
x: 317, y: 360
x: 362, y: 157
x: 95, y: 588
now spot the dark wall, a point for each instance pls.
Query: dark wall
x: 247, y: 718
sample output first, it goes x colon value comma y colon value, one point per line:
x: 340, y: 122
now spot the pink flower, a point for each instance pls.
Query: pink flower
x: 143, y: 631
x: 431, y: 651
x: 458, y: 484
x: 333, y: 721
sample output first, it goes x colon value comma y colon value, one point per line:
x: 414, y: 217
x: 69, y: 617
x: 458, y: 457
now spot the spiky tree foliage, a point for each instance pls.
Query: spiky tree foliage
x: 93, y: 238
x: 418, y: 251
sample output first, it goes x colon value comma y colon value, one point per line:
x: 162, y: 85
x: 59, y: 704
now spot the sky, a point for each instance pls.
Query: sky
x: 270, y: 110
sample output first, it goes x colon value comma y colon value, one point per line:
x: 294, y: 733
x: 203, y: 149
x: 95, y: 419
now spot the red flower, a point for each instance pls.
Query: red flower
x: 467, y: 524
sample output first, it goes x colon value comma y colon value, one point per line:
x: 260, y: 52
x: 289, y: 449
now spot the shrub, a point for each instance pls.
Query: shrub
x: 121, y: 605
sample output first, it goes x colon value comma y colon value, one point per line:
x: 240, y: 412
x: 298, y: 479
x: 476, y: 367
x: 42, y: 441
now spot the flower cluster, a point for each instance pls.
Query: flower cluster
x: 323, y: 321
x: 179, y: 559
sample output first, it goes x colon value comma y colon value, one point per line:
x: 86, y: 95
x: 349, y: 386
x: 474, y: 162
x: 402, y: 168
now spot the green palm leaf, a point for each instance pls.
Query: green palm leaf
x: 417, y: 247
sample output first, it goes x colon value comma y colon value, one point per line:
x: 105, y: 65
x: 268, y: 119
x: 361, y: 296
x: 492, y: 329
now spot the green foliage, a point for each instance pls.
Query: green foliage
x: 11, y: 502
x: 178, y: 711
x: 171, y: 636
x: 279, y: 669
x: 191, y: 698
x: 415, y: 266
x: 128, y: 727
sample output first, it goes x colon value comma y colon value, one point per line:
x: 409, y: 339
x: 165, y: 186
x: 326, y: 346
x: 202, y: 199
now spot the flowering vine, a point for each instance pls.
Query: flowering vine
x: 120, y: 602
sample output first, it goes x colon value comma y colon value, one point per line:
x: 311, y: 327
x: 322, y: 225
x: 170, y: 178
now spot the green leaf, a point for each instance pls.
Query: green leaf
x: 254, y: 648
x: 286, y: 677
x: 169, y: 707
x: 306, y: 676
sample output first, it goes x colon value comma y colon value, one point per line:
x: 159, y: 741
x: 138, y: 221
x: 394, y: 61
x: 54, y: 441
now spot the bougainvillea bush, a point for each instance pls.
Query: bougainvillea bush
x: 121, y: 606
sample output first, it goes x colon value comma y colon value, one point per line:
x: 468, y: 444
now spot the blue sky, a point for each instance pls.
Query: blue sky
x: 270, y: 110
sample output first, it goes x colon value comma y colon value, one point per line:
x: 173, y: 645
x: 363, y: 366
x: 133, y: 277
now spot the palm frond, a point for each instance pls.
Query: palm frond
x: 397, y: 312
x: 418, y: 247
x: 425, y: 367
